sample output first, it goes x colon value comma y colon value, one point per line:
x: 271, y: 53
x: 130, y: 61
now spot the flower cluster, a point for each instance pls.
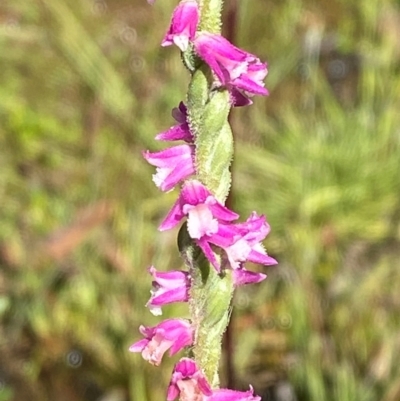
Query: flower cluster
x: 240, y: 72
x: 213, y: 227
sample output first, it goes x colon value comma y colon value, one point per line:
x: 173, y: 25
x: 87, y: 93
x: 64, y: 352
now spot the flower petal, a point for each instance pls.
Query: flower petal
x: 173, y: 164
x: 241, y: 72
x: 168, y: 287
x: 188, y: 382
x: 242, y: 277
x: 173, y: 334
x: 183, y: 25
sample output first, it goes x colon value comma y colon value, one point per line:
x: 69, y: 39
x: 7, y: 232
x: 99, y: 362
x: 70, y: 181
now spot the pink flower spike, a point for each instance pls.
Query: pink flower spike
x: 174, y: 164
x: 181, y: 131
x: 168, y: 287
x: 172, y: 334
x: 188, y: 382
x: 232, y: 395
x: 204, y: 212
x: 183, y: 25
x: 234, y: 68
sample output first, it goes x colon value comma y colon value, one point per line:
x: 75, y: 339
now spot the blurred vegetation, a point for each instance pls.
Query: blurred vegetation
x: 85, y: 87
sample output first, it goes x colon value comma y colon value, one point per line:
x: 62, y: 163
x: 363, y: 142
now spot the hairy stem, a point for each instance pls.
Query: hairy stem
x: 211, y: 292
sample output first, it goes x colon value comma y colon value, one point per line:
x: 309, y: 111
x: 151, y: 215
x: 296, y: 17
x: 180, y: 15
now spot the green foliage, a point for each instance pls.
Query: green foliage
x: 85, y: 87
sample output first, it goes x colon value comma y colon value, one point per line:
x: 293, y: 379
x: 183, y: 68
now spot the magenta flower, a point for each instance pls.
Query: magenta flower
x: 241, y: 242
x: 248, y: 246
x: 238, y: 99
x: 180, y: 131
x: 172, y: 334
x: 242, y: 277
x: 168, y: 287
x: 234, y: 68
x: 188, y: 382
x: 232, y: 395
x: 174, y: 164
x: 183, y: 25
x: 203, y: 211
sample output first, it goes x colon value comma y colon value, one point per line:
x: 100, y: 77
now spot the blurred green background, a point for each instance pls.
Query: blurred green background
x: 85, y: 87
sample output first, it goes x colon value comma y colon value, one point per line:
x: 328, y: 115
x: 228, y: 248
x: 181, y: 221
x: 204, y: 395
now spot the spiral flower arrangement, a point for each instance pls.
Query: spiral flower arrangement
x: 213, y: 243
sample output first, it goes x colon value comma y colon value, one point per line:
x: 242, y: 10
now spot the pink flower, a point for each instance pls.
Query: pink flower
x: 241, y: 242
x: 242, y: 277
x: 172, y: 334
x: 248, y: 247
x: 188, y: 382
x: 180, y: 131
x: 236, y: 69
x: 232, y: 395
x: 203, y: 211
x: 209, y: 223
x: 174, y: 164
x: 238, y: 99
x: 168, y: 287
x: 183, y: 25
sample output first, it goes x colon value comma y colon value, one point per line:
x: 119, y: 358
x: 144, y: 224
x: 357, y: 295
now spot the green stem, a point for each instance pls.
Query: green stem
x: 210, y: 300
x: 210, y: 15
x: 211, y: 293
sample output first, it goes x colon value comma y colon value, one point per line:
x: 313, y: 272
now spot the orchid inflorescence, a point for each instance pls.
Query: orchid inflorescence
x: 212, y: 243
